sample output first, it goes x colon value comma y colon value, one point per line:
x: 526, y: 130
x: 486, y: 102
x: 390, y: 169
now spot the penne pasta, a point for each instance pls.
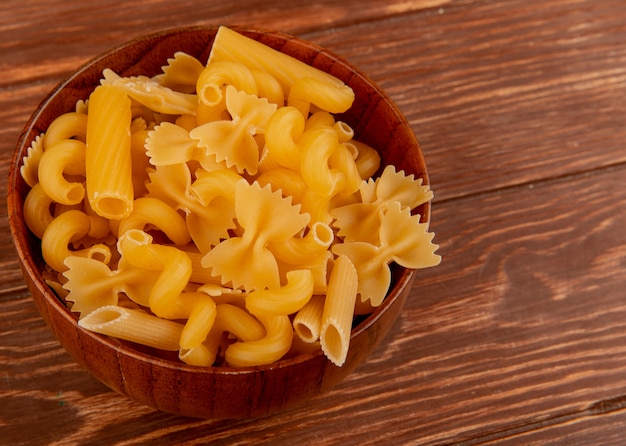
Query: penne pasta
x: 232, y: 46
x: 134, y: 326
x: 205, y: 354
x: 307, y: 323
x: 339, y: 310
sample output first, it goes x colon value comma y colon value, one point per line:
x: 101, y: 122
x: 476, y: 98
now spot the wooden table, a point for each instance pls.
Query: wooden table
x: 518, y: 337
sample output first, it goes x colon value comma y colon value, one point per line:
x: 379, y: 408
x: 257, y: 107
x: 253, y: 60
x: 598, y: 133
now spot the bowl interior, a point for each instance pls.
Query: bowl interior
x: 218, y: 392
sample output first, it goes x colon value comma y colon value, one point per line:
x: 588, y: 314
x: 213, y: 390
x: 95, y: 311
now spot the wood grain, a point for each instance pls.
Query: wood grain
x: 517, y: 338
x: 502, y: 344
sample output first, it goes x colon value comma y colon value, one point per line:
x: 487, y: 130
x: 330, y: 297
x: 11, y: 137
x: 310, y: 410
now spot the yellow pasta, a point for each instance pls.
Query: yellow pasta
x: 68, y: 227
x: 232, y: 141
x: 284, y: 128
x: 367, y: 160
x: 99, y: 226
x: 307, y: 323
x: 238, y: 322
x: 205, y: 354
x: 339, y: 310
x: 72, y: 125
x: 151, y: 94
x: 273, y: 346
x: 135, y: 326
x: 140, y: 163
x: 307, y: 91
x: 288, y: 299
x: 318, y: 146
x: 64, y: 157
x: 170, y: 144
x: 232, y: 46
x: 360, y: 221
x: 219, y: 74
x: 268, y: 87
x: 200, y: 274
x: 37, y: 214
x: 153, y: 212
x: 206, y: 225
x: 342, y: 162
x: 175, y: 269
x: 216, y: 184
x: 107, y: 155
x: 219, y: 293
x: 288, y: 181
x: 403, y: 239
x: 247, y: 221
x: 181, y: 73
x: 91, y: 284
x: 200, y: 320
x: 298, y: 250
x: 245, y: 261
x: 30, y: 162
x: 320, y: 119
x: 345, y: 133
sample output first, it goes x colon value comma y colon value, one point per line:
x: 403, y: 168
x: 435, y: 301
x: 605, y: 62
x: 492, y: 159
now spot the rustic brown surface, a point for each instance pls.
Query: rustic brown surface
x: 517, y: 338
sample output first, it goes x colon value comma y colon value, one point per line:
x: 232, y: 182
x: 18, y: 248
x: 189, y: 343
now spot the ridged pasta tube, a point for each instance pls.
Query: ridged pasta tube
x: 339, y: 310
x: 135, y: 326
x: 232, y: 46
x: 108, y: 153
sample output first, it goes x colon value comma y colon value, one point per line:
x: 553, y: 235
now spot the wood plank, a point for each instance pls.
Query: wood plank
x: 524, y: 315
x: 599, y: 429
x: 39, y: 42
x: 502, y: 93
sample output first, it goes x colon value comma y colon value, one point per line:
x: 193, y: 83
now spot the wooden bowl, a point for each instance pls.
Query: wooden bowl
x: 217, y: 392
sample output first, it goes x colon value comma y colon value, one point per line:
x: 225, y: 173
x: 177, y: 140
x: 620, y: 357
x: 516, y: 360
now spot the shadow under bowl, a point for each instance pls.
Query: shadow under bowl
x: 215, y: 392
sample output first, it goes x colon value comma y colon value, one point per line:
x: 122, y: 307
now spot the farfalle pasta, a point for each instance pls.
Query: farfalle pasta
x: 246, y: 260
x: 221, y: 210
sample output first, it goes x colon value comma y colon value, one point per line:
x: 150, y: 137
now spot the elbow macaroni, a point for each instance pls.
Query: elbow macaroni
x: 221, y: 210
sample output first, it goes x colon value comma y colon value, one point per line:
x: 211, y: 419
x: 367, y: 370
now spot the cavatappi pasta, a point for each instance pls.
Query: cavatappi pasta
x: 221, y: 210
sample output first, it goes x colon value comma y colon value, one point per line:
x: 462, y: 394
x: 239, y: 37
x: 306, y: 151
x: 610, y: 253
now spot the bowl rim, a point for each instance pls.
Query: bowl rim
x: 20, y: 232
